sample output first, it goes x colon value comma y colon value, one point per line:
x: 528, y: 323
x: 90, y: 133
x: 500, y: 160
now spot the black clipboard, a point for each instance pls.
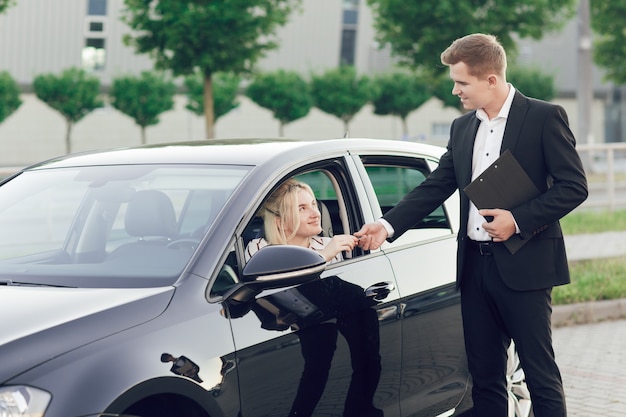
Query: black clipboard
x: 504, y: 185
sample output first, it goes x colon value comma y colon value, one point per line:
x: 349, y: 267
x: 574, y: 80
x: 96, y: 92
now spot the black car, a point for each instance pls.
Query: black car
x: 125, y: 292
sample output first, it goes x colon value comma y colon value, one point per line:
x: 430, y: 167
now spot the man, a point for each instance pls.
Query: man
x: 504, y: 296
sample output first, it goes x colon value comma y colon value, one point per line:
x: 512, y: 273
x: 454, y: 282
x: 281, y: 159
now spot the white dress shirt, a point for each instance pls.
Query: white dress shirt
x: 486, y: 150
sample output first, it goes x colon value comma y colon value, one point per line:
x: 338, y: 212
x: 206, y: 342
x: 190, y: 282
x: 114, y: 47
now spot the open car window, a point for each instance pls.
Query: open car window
x: 393, y: 178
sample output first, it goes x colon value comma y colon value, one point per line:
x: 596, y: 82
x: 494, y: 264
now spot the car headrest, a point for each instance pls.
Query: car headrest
x: 150, y: 213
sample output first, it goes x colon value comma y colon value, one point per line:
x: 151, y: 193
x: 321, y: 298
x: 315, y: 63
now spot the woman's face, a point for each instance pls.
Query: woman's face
x: 309, y: 216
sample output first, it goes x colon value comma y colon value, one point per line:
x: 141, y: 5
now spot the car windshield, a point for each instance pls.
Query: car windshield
x: 108, y: 226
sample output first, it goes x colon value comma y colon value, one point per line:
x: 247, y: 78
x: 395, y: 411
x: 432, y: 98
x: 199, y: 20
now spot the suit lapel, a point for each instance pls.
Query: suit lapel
x: 466, y: 146
x: 514, y: 122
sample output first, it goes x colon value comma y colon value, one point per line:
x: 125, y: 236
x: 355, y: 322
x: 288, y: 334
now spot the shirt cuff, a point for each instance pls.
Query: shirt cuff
x: 387, y: 227
x: 517, y: 231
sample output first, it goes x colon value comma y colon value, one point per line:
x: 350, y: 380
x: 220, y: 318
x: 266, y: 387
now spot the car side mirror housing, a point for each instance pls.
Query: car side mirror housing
x: 283, y: 265
x: 277, y: 266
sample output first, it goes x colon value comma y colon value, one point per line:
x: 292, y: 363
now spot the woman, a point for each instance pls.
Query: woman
x: 291, y: 217
x: 319, y: 310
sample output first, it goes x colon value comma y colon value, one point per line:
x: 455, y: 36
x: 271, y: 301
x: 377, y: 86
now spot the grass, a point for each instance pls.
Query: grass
x: 593, y: 280
x: 597, y: 279
x: 587, y: 221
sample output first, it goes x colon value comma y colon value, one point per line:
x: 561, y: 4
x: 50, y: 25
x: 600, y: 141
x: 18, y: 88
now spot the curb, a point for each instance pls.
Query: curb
x: 586, y: 313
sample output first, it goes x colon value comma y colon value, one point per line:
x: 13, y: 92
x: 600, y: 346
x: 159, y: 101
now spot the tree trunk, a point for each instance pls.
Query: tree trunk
x: 346, y: 127
x: 68, y: 135
x: 405, y: 129
x: 143, y: 135
x: 209, y: 113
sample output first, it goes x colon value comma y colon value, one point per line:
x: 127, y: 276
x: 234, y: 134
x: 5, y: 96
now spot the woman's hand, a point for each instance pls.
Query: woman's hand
x: 337, y: 244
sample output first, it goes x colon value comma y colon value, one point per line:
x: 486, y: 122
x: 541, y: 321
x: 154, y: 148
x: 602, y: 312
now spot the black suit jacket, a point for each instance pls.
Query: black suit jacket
x: 538, y: 134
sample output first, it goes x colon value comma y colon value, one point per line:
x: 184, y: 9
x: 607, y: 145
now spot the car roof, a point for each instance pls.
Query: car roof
x: 233, y: 151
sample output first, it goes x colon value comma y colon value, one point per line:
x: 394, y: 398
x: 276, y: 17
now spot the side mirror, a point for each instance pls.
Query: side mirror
x: 283, y: 265
x: 277, y: 266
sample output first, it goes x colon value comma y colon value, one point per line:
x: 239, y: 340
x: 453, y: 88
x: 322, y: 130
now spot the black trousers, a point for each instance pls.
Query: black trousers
x: 493, y: 314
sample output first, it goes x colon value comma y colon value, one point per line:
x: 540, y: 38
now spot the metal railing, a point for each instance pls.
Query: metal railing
x: 605, y: 164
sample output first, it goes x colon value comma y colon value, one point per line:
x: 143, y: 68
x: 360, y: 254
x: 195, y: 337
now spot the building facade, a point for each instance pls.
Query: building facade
x: 43, y: 36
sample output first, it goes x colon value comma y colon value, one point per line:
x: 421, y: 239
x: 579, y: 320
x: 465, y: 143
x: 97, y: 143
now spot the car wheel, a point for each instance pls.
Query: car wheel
x: 520, y: 404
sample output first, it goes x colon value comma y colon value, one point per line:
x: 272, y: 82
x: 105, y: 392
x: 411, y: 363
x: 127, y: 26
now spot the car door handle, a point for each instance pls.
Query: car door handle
x: 380, y: 290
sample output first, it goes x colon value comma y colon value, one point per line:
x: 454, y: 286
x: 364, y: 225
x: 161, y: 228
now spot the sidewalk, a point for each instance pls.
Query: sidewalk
x: 592, y: 246
x: 589, y: 339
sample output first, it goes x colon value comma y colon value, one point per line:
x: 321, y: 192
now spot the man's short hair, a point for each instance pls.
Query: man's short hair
x: 483, y: 54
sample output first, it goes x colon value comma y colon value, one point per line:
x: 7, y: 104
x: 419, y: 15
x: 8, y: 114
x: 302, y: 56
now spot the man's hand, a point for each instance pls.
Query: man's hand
x: 371, y: 236
x: 501, y: 227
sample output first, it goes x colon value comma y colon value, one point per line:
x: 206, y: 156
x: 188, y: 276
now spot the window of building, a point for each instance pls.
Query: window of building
x: 350, y: 20
x: 97, y: 7
x: 96, y: 26
x: 440, y: 130
x: 94, y: 54
x: 348, y: 46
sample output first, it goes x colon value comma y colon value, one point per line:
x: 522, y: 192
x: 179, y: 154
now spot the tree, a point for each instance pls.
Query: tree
x: 225, y: 92
x: 285, y: 93
x: 5, y: 4
x: 143, y: 98
x: 185, y: 35
x: 9, y: 95
x: 441, y: 87
x: 410, y: 28
x: 74, y: 94
x: 400, y: 93
x: 341, y: 92
x: 532, y: 82
x: 607, y: 21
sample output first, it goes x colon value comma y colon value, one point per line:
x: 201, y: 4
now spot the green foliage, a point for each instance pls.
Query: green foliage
x: 532, y: 82
x: 341, y: 92
x: 209, y: 36
x: 400, y: 93
x: 581, y: 221
x: 225, y: 92
x: 593, y: 280
x: 74, y: 94
x: 441, y: 87
x: 9, y: 95
x: 597, y: 279
x: 143, y: 98
x: 607, y: 22
x: 5, y: 4
x: 418, y: 31
x: 285, y: 93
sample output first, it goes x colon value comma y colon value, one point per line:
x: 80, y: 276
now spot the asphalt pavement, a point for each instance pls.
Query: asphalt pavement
x: 590, y: 339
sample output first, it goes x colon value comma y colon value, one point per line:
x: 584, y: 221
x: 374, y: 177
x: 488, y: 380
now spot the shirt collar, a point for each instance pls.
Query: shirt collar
x: 504, y: 111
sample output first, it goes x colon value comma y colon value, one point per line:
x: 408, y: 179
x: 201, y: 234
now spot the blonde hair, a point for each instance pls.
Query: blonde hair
x: 280, y: 211
x: 483, y: 55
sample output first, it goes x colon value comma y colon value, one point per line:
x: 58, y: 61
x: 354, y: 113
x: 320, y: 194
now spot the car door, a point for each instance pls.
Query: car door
x: 434, y: 372
x: 330, y: 347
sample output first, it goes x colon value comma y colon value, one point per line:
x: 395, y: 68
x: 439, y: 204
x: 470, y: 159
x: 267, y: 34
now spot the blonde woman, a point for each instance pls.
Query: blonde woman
x: 291, y: 217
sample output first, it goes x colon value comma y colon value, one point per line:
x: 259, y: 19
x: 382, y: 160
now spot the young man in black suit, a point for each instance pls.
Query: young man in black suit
x: 504, y: 296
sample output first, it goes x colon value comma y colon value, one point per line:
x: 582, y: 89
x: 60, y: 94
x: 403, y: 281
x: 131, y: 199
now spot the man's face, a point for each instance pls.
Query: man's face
x: 474, y: 93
